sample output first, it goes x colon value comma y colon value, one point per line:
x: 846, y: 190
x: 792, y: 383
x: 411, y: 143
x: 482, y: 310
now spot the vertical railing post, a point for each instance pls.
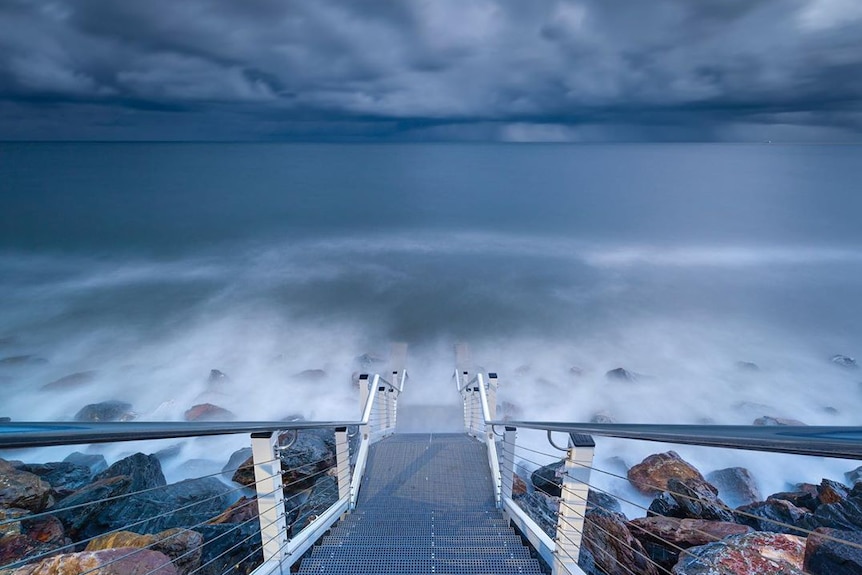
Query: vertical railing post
x: 507, y: 466
x: 342, y: 461
x: 574, y: 490
x: 492, y: 395
x: 364, y: 390
x: 270, y: 494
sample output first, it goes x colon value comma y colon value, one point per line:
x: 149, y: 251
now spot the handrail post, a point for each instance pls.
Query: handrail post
x: 270, y: 494
x: 492, y: 394
x: 507, y: 469
x: 574, y: 490
x: 342, y: 461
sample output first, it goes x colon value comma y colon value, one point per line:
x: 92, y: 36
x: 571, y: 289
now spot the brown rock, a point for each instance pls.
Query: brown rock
x: 685, y: 532
x: 519, y: 487
x: 8, y: 527
x: 208, y: 412
x: 244, y: 474
x: 40, y: 536
x: 614, y: 549
x: 23, y: 490
x: 832, y: 492
x: 183, y: 546
x: 750, y: 554
x: 652, y: 474
x: 122, y: 561
x: 243, y: 510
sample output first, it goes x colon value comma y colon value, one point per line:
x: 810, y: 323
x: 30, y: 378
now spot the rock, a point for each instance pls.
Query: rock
x: 749, y: 366
x: 369, y: 360
x: 519, y: 487
x: 169, y: 453
x: 511, y: 411
x: 665, y: 506
x: 94, y: 461
x: 230, y: 548
x: 323, y: 494
x: 7, y: 525
x: 243, y: 510
x: 652, y: 474
x: 42, y: 536
x: 542, y: 509
x: 122, y: 561
x: 64, y: 477
x: 845, y: 515
x: 854, y: 476
x: 79, y: 509
x: 736, y: 486
x: 662, y: 537
x: 106, y: 411
x: 806, y: 498
x: 310, y: 375
x: 5, y: 420
x: 182, y: 546
x: 825, y: 556
x: 23, y: 490
x: 620, y: 374
x: 832, y: 492
x: 769, y: 420
x: 698, y: 499
x: 614, y: 549
x: 576, y: 371
x: 749, y: 554
x: 207, y: 412
x: 312, y: 452
x: 775, y: 515
x: 217, y: 376
x: 604, y: 501
x: 548, y: 478
x: 829, y: 410
x: 602, y: 417
x: 145, y: 471
x: 19, y: 360
x: 71, y: 381
x: 844, y: 361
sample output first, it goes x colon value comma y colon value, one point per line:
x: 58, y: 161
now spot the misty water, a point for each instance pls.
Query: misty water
x: 151, y: 264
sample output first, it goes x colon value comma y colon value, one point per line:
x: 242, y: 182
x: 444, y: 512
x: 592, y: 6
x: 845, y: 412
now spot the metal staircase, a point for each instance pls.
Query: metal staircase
x: 427, y: 506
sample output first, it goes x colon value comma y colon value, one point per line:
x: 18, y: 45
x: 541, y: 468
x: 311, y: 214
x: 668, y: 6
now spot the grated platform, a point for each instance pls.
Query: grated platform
x: 426, y: 506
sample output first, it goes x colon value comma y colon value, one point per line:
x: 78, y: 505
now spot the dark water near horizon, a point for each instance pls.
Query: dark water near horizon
x: 151, y: 264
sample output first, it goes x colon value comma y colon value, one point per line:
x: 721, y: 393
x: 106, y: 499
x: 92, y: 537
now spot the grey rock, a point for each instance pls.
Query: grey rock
x: 736, y: 486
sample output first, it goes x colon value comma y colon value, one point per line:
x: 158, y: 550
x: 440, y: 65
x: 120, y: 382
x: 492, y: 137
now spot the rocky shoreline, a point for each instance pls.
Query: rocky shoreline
x: 689, y: 529
x: 68, y: 517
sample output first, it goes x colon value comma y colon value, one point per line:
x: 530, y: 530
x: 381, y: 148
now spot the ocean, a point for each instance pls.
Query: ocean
x: 146, y: 265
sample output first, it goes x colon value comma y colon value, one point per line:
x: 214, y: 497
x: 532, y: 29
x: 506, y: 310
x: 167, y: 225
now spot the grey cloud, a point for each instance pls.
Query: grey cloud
x: 558, y: 70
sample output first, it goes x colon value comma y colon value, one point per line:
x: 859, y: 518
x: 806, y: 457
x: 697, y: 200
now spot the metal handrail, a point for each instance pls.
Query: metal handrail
x: 843, y: 442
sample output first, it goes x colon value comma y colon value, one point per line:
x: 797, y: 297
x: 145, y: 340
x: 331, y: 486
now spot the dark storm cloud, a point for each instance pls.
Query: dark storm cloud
x: 443, y: 69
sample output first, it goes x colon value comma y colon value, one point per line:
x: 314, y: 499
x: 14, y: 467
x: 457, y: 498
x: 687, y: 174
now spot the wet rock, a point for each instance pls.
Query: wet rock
x: 511, y: 411
x: 652, y: 474
x: 63, y: 477
x: 519, y: 486
x: 749, y: 554
x: 542, y: 509
x: 576, y: 371
x: 245, y: 509
x: 145, y: 471
x: 7, y: 525
x: 748, y: 366
x: 323, y: 494
x: 613, y: 547
x: 237, y: 458
x: 43, y: 535
x: 666, y: 506
x: 367, y: 360
x: 94, y: 461
x: 230, y: 548
x: 736, y: 486
x: 769, y: 420
x: 620, y: 374
x: 106, y: 411
x: 806, y: 497
x: 832, y: 492
x: 71, y: 381
x: 602, y: 417
x: 662, y: 537
x: 5, y: 420
x: 23, y: 490
x: 182, y: 546
x: 22, y: 360
x: 313, y: 451
x: 698, y: 499
x: 854, y: 476
x: 122, y: 561
x: 169, y: 453
x: 217, y: 376
x: 207, y: 412
x: 776, y: 516
x: 829, y: 410
x: 78, y: 509
x: 826, y: 556
x: 846, y: 514
x: 310, y: 375
x: 844, y: 361
x: 599, y: 500
x: 548, y: 478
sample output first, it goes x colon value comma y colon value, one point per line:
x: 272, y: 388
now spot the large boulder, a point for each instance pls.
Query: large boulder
x: 770, y: 420
x: 777, y: 516
x: 663, y: 537
x: 844, y: 361
x: 8, y: 523
x: 243, y: 510
x: 78, y: 510
x: 323, y: 494
x: 750, y: 554
x: 736, y: 486
x: 845, y: 514
x: 106, y: 411
x: 230, y: 548
x: 63, y: 477
x: 208, y: 412
x: 96, y: 462
x: 806, y: 495
x: 182, y: 546
x: 42, y: 535
x: 22, y: 489
x: 832, y: 492
x: 827, y: 554
x: 122, y: 561
x: 612, y: 546
x: 651, y: 476
x: 145, y: 471
x: 854, y: 476
x: 548, y: 478
x: 71, y: 381
x: 621, y: 374
x: 312, y: 452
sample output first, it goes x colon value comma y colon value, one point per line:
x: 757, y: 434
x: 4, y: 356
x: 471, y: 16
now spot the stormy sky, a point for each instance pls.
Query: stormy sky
x: 430, y: 70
